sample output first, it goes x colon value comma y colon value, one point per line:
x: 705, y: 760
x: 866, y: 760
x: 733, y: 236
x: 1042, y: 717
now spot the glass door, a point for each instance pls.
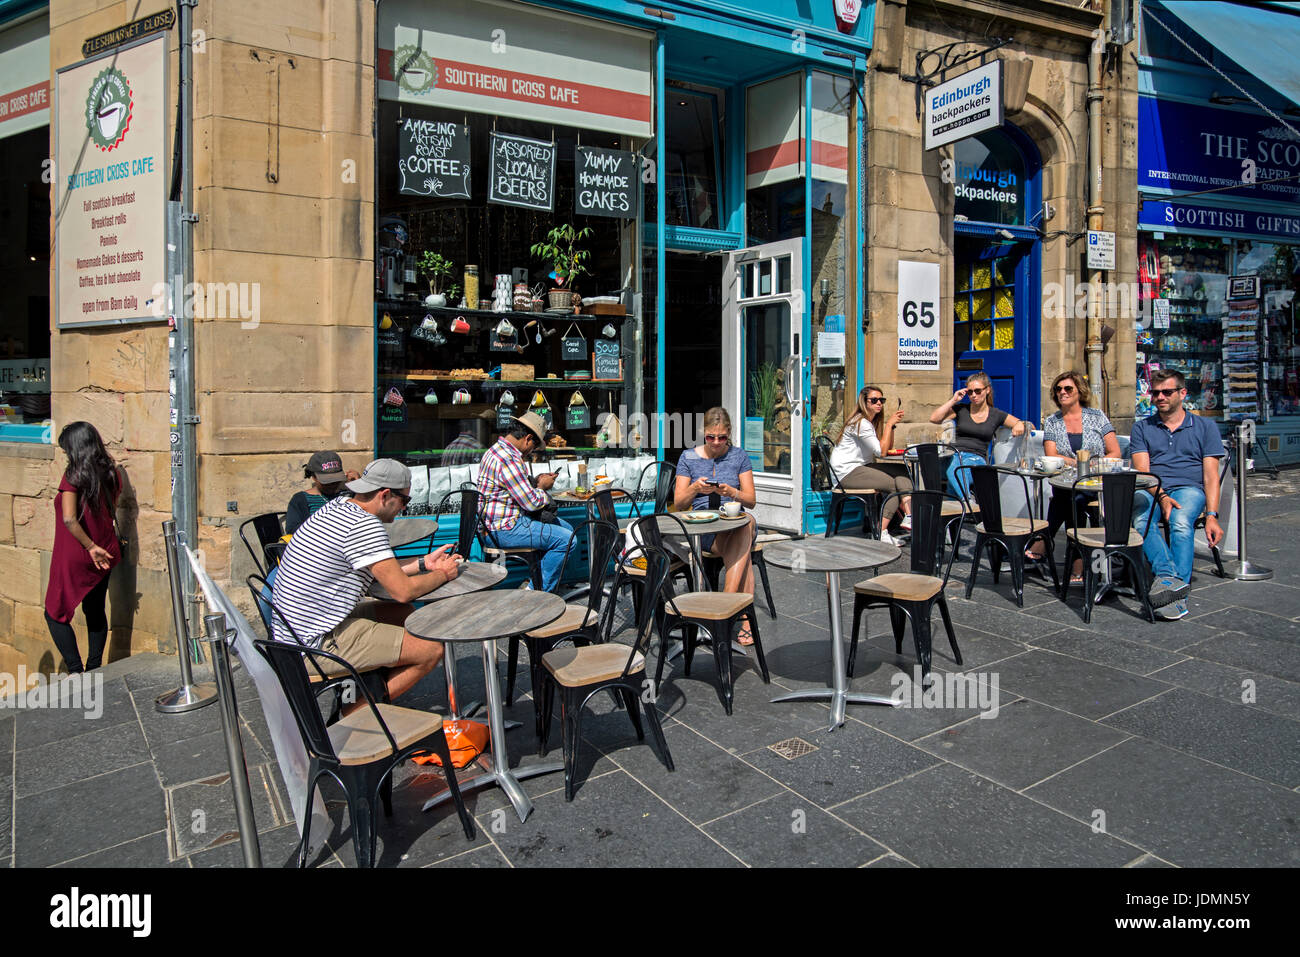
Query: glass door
x: 990, y: 319
x: 764, y: 373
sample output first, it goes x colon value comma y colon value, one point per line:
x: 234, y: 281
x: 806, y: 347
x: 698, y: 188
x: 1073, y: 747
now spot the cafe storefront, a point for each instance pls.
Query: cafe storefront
x: 617, y: 217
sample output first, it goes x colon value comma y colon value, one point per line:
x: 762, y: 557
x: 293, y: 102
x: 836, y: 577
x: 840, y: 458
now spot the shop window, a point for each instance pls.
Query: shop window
x: 989, y: 180
x: 691, y: 181
x: 984, y: 304
x: 24, y: 286
x: 775, y: 160
x: 451, y: 373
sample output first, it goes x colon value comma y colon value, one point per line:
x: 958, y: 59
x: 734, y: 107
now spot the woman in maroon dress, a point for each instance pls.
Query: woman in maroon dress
x: 86, y: 545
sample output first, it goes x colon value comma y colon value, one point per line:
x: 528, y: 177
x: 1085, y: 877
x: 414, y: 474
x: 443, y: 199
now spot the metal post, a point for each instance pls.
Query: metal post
x: 1243, y: 569
x: 189, y: 696
x: 215, y: 628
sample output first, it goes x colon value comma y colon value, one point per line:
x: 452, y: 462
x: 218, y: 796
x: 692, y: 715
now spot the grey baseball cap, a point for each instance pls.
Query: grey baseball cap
x: 382, y: 473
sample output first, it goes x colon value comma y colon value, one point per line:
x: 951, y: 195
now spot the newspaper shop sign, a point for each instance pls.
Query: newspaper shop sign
x: 964, y: 106
x: 918, y: 310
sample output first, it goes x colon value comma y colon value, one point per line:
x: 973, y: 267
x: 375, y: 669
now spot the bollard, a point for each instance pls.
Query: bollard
x: 215, y: 626
x: 189, y: 696
x: 1243, y: 569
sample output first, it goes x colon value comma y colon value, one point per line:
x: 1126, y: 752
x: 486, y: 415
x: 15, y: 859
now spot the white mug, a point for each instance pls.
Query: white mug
x: 731, y: 509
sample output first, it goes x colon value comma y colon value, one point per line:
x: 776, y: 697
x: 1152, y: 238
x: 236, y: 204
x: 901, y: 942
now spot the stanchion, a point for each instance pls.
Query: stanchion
x: 1243, y: 569
x: 189, y: 696
x: 215, y: 626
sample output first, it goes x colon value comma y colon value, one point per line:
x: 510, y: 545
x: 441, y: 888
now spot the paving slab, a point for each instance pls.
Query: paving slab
x: 1070, y: 684
x: 1253, y: 651
x: 1273, y: 597
x: 202, y: 813
x: 1259, y: 624
x: 480, y: 857
x: 193, y: 759
x: 787, y: 831
x: 88, y: 816
x: 147, y: 851
x: 1113, y: 652
x: 1238, y: 685
x: 1005, y: 619
x: 111, y: 706
x: 1247, y: 739
x: 891, y: 860
x: 277, y: 846
x: 947, y: 817
x: 1186, y: 811
x: 79, y: 758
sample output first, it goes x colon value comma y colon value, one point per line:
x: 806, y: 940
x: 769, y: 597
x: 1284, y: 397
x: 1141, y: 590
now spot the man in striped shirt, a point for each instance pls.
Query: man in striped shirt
x: 508, y: 491
x: 329, y: 565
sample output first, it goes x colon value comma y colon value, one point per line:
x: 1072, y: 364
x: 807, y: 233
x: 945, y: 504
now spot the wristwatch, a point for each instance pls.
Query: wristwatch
x: 421, y: 566
x: 1211, y: 513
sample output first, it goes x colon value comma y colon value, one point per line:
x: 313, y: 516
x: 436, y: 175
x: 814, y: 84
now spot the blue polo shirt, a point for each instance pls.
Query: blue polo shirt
x: 1177, y: 457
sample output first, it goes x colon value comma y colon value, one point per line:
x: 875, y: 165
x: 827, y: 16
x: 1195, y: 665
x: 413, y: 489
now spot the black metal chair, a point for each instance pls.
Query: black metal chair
x: 1116, y: 538
x: 840, y: 495
x: 912, y: 595
x: 269, y: 529
x: 931, y: 469
x: 718, y: 613
x: 581, y: 622
x: 361, y: 750
x: 1011, y: 535
x: 581, y: 672
x: 472, y: 528
x: 665, y: 478
x: 711, y: 563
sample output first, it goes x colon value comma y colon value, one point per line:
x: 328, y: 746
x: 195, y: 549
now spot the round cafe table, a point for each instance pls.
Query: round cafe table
x: 407, y: 531
x: 472, y: 577
x: 484, y: 617
x: 832, y: 556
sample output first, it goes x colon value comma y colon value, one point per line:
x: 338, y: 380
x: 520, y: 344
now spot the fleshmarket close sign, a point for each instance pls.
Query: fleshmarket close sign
x: 163, y: 20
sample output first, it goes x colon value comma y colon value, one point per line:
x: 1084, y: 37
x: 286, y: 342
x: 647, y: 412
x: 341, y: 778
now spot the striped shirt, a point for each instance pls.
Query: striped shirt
x: 325, y: 570
x: 1095, y: 428
x: 506, y: 490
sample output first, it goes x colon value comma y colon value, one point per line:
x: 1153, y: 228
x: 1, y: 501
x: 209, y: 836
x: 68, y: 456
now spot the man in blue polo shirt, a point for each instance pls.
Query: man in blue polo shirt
x: 1183, y: 451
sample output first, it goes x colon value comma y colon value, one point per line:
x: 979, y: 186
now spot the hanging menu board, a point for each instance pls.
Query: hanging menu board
x: 433, y: 158
x: 605, y: 360
x: 605, y: 183
x: 522, y: 172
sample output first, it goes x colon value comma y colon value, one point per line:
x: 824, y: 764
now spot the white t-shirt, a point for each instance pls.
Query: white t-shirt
x: 324, y: 571
x: 858, y: 445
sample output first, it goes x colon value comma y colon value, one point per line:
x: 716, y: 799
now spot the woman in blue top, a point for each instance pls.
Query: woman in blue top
x: 719, y: 468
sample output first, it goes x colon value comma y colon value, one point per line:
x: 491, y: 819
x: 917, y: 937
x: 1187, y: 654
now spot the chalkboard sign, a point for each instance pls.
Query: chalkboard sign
x: 605, y: 361
x: 573, y: 345
x: 433, y: 159
x: 605, y: 183
x: 522, y: 172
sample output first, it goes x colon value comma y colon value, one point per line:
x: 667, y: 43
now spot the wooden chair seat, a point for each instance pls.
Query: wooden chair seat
x: 769, y: 537
x: 904, y: 586
x: 711, y: 605
x: 674, y: 565
x: 1096, y: 537
x: 574, y: 617
x: 953, y: 509
x: 1016, y: 526
x: 855, y: 491
x: 577, y: 667
x: 358, y: 739
x: 507, y: 551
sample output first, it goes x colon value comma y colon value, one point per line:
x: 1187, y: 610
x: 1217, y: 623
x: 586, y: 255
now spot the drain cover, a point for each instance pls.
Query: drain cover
x: 792, y: 748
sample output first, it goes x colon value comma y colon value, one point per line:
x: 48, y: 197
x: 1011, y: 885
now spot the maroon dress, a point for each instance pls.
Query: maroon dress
x: 72, y: 573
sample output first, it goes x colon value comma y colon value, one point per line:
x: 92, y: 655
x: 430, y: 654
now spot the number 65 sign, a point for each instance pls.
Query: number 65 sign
x: 918, y: 310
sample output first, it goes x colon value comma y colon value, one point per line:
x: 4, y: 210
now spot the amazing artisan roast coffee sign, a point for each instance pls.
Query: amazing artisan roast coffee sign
x: 433, y: 159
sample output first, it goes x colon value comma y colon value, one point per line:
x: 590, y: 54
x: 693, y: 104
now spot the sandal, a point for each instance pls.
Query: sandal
x: 1031, y: 557
x: 745, y: 637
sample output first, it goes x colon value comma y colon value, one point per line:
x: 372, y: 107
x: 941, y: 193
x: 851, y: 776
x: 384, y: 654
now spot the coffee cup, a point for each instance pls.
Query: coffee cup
x: 731, y: 510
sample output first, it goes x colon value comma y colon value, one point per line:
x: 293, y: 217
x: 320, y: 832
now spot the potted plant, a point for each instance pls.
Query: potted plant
x: 437, y: 270
x: 568, y: 262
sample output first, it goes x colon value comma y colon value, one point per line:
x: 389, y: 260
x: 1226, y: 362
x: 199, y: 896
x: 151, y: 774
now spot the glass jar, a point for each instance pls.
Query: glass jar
x: 471, y: 286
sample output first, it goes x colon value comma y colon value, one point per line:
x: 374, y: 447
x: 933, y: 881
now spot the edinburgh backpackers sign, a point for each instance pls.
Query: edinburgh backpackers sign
x: 964, y: 105
x: 433, y: 159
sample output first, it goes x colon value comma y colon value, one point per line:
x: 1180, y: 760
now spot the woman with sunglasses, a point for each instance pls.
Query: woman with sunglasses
x: 857, y: 458
x: 1074, y: 427
x: 976, y: 425
x: 718, y: 468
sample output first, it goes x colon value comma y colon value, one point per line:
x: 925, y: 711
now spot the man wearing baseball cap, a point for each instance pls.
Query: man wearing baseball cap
x: 325, y: 469
x: 508, y: 492
x: 329, y: 566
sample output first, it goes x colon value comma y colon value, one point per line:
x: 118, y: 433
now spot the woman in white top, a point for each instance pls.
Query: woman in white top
x: 857, y: 458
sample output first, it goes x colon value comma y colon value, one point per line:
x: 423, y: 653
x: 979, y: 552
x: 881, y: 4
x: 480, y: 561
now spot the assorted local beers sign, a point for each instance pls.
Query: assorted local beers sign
x: 605, y: 182
x: 433, y: 159
x: 522, y: 172
x: 964, y: 105
x: 111, y: 152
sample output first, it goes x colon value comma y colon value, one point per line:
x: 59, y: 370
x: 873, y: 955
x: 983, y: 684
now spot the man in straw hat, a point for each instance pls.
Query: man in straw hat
x: 329, y: 566
x: 509, y: 492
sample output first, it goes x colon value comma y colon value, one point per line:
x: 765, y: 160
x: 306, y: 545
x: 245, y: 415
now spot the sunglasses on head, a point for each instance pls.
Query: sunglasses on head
x: 1164, y: 392
x: 717, y: 438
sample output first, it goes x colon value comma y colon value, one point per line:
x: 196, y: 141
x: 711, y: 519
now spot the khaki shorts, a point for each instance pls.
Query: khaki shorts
x: 362, y: 642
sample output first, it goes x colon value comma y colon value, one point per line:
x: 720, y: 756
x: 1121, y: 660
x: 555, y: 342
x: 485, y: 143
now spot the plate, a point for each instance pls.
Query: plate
x: 897, y: 452
x: 698, y: 517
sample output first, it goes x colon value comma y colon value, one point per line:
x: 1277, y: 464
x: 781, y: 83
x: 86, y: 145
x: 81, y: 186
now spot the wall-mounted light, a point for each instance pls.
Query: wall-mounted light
x: 826, y: 288
x: 1227, y: 99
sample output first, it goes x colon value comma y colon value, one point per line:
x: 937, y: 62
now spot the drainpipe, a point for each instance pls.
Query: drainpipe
x: 1096, y: 212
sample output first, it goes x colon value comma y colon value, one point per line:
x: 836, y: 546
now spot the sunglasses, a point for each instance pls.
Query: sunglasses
x: 717, y: 438
x: 1164, y: 392
x: 1065, y: 389
x: 977, y: 391
x: 876, y: 400
x: 406, y: 499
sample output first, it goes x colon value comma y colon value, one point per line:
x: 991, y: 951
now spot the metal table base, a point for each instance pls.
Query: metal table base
x: 838, y: 694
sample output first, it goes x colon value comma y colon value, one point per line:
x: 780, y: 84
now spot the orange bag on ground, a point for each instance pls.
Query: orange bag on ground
x: 466, y: 740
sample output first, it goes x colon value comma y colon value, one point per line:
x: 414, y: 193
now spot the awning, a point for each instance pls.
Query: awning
x: 1261, y: 40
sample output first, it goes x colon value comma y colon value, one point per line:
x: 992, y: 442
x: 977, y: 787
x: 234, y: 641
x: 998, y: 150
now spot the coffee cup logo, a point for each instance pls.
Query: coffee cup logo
x: 415, y: 70
x: 108, y: 109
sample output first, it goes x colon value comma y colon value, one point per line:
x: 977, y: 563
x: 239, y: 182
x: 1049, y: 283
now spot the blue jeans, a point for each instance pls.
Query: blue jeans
x: 553, y: 541
x: 1172, y: 560
x: 960, y: 487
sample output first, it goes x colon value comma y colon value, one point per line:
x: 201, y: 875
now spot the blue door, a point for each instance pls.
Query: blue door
x: 992, y: 331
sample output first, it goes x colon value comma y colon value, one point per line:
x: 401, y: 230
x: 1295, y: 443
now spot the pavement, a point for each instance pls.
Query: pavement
x: 1119, y: 743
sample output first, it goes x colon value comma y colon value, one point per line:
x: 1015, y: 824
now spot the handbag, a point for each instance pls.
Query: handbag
x: 466, y: 740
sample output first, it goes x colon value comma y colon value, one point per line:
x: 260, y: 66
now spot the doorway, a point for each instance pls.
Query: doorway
x: 693, y: 343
